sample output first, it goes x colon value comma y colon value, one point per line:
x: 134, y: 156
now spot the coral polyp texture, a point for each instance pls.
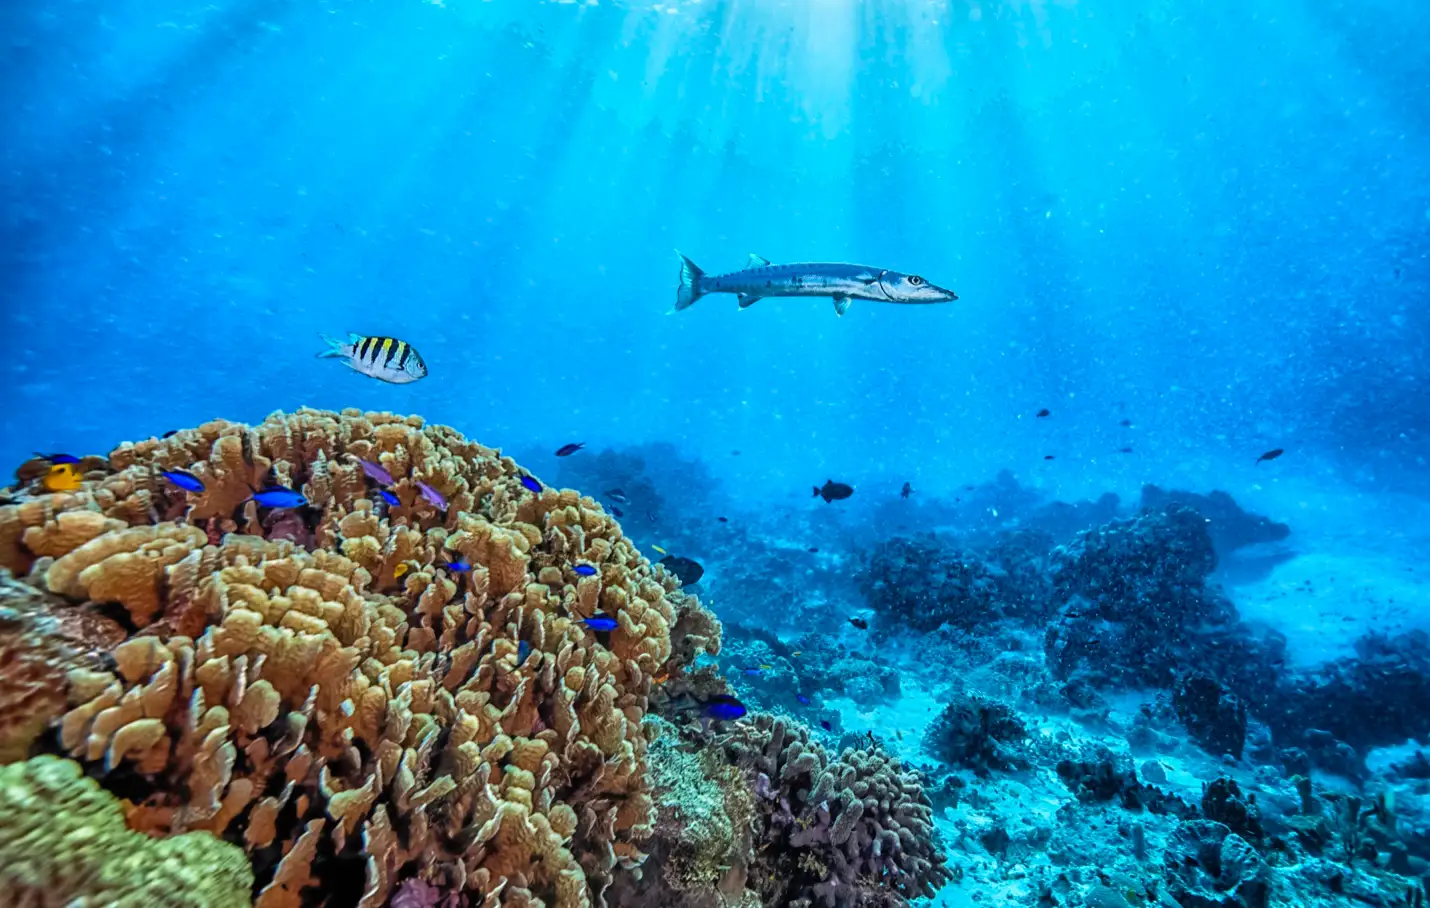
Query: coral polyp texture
x: 342, y: 689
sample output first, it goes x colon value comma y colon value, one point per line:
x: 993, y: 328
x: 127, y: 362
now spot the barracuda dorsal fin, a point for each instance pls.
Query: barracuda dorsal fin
x: 756, y: 261
x: 747, y: 300
x: 841, y: 304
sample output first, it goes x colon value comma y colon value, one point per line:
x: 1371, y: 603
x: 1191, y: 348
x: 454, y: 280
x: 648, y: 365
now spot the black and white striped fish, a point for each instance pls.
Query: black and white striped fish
x: 384, y: 358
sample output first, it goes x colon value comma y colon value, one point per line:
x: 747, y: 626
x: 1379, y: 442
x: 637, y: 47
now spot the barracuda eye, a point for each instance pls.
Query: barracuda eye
x: 915, y: 280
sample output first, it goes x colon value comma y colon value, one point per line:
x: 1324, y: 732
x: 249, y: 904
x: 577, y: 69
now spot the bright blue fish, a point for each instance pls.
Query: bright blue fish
x: 184, y: 480
x: 279, y: 497
x: 391, y: 499
x: 751, y: 671
x: 58, y: 458
x: 585, y: 570
x: 531, y: 484
x: 599, y: 622
x: 523, y: 649
x: 459, y: 566
x: 803, y: 700
x: 724, y: 708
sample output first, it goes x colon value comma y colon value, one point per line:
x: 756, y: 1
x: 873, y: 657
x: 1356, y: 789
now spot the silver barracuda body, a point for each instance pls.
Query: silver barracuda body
x: 840, y: 282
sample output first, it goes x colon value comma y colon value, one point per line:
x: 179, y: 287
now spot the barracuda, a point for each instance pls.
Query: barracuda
x: 840, y: 282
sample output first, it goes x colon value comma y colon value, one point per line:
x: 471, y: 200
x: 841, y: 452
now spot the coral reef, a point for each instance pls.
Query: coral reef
x: 977, y: 733
x: 1228, y: 524
x: 850, y: 832
x: 921, y: 584
x: 1136, y: 609
x: 63, y: 841
x: 1215, y: 717
x: 41, y: 641
x: 281, y: 682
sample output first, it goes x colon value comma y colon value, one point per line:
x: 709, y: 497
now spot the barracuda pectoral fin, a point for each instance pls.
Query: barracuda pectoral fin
x: 756, y: 261
x: 841, y: 303
x: 749, y: 299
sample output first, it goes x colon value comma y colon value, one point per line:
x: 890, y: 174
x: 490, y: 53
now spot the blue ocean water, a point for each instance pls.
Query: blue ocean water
x: 1193, y: 232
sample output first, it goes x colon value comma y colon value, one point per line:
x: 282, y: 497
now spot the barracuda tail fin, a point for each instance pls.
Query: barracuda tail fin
x: 689, y: 290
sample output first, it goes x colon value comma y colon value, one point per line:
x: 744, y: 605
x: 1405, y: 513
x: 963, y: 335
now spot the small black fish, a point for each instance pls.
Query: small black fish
x: 1126, y: 423
x: 1044, y: 412
x: 1048, y: 457
x: 814, y: 549
x: 1124, y: 450
x: 617, y: 495
x: 906, y: 491
x: 723, y: 519
x: 734, y: 453
x: 617, y: 511
x: 1271, y: 455
x: 833, y: 491
x: 824, y: 724
x: 568, y: 450
x: 170, y: 434
x: 687, y: 570
x: 859, y: 623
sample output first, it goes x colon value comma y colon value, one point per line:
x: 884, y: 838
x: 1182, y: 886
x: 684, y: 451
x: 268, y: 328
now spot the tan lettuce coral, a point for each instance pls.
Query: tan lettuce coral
x: 289, y: 687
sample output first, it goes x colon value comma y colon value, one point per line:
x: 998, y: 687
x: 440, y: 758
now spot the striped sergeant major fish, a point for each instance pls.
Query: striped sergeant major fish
x: 384, y: 358
x: 843, y: 283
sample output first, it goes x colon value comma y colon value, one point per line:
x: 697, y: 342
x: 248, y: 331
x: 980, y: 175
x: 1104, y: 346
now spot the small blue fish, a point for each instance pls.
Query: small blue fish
x: 457, y: 567
x: 184, y: 480
x: 58, y: 458
x: 802, y: 699
x: 585, y: 570
x: 391, y: 499
x: 599, y: 622
x: 824, y: 724
x: 523, y: 649
x: 279, y: 497
x: 751, y: 671
x: 531, y: 484
x: 724, y: 708
x: 170, y: 434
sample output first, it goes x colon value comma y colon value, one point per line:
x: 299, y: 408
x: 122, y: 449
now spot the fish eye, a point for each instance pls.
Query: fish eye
x: 915, y: 280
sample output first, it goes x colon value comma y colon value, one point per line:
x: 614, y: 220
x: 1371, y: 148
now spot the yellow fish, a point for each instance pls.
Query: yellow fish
x: 765, y: 668
x: 63, y: 477
x: 659, y: 549
x: 797, y: 652
x: 401, y: 571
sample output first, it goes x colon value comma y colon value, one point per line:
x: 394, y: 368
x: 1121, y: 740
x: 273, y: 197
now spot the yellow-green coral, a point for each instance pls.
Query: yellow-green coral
x: 63, y: 842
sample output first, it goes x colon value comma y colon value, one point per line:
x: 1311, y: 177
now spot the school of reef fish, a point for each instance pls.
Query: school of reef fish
x: 357, y: 659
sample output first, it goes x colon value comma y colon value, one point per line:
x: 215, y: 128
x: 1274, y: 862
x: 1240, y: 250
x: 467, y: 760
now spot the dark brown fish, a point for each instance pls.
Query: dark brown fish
x: 859, y: 623
x: 568, y: 450
x: 1044, y: 412
x: 1271, y: 455
x: 833, y: 491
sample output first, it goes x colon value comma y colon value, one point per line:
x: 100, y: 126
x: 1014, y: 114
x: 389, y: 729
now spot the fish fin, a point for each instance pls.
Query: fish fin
x: 841, y: 304
x: 816, y: 491
x: 335, y: 347
x: 689, y: 290
x: 757, y: 261
x: 749, y: 299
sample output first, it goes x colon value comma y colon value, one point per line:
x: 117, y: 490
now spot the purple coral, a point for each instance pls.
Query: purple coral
x: 854, y: 832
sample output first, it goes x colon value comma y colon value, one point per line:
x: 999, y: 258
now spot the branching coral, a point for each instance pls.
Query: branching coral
x: 287, y: 687
x: 63, y: 842
x: 847, y: 833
